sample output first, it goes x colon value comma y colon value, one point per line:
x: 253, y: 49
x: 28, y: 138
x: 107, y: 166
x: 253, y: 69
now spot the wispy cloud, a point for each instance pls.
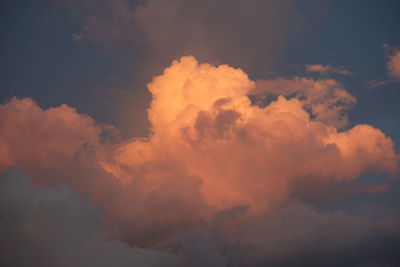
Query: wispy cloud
x: 327, y: 70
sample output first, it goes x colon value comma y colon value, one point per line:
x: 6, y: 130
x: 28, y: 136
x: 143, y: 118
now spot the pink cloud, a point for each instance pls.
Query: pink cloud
x: 209, y: 149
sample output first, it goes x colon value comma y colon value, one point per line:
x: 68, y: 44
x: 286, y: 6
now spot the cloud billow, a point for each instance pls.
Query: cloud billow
x: 218, y: 180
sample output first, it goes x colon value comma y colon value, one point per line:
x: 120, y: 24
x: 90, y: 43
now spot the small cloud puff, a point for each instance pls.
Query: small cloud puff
x: 393, y: 63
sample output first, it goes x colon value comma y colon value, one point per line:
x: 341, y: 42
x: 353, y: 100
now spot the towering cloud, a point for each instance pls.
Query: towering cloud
x: 214, y: 168
x: 146, y: 35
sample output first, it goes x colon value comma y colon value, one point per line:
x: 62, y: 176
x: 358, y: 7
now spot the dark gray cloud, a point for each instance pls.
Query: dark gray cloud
x: 57, y: 227
x: 297, y: 235
x: 247, y: 34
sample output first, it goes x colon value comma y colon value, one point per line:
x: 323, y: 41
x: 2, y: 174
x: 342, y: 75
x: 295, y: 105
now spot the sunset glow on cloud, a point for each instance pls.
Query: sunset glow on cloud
x: 200, y: 118
x: 246, y: 160
x: 209, y: 150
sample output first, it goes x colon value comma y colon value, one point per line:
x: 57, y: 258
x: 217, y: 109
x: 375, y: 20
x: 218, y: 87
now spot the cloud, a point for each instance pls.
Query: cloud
x: 298, y: 235
x: 327, y: 70
x: 57, y: 227
x: 176, y: 28
x: 327, y: 100
x: 213, y: 31
x: 200, y: 110
x: 146, y: 35
x: 60, y: 146
x: 54, y: 136
x: 104, y: 22
x: 213, y: 164
x: 393, y: 63
x: 376, y: 84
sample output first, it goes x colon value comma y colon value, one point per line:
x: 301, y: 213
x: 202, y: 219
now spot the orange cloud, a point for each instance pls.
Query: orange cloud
x: 210, y: 149
x: 201, y: 117
x: 42, y: 140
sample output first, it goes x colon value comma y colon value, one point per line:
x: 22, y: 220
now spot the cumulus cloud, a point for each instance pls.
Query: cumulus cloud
x: 327, y: 70
x: 53, y: 136
x: 212, y: 164
x: 60, y: 146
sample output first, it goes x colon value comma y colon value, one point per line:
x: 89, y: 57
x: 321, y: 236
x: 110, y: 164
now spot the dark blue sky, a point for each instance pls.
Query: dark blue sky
x: 353, y: 35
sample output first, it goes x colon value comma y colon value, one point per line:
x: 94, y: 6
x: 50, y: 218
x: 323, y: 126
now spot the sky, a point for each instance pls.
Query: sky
x: 199, y: 133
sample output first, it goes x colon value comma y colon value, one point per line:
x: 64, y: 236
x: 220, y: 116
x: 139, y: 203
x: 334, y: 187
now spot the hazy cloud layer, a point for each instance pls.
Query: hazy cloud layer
x: 219, y: 31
